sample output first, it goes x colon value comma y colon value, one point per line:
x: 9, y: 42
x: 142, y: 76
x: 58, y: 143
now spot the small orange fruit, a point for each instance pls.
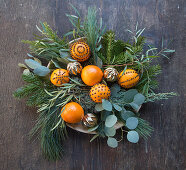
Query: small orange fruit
x: 128, y: 79
x: 99, y: 92
x: 91, y: 75
x: 74, y: 68
x: 80, y: 51
x: 59, y: 77
x: 72, y: 112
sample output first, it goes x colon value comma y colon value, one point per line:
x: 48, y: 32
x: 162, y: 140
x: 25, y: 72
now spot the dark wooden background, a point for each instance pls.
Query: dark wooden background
x: 165, y: 150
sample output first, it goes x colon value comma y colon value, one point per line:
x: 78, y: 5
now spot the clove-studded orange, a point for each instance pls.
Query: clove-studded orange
x: 91, y: 75
x: 80, y: 51
x: 128, y: 79
x: 72, y: 112
x: 99, y: 92
x: 59, y: 77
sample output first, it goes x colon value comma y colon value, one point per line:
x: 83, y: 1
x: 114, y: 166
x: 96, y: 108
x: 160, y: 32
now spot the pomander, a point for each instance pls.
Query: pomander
x: 59, y: 77
x: 128, y: 79
x: 80, y: 51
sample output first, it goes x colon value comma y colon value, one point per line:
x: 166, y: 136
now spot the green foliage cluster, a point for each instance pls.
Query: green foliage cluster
x: 122, y: 108
x: 91, y: 28
x: 123, y: 105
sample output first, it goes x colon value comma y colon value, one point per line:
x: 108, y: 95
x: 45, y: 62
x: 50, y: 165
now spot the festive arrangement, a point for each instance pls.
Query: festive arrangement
x: 89, y: 80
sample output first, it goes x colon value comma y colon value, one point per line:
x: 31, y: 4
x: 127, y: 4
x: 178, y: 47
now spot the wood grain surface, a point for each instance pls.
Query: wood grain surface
x: 165, y: 150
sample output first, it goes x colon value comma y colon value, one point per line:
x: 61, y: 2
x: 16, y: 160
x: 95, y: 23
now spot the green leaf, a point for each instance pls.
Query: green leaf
x: 32, y: 63
x: 117, y: 107
x: 110, y: 131
x: 132, y: 122
x: 105, y: 114
x: 94, y: 137
x: 133, y: 136
x: 169, y: 51
x: 99, y: 107
x: 64, y: 54
x: 124, y: 70
x: 30, y: 55
x: 125, y: 115
x: 152, y: 57
x: 42, y: 71
x: 139, y: 99
x: 106, y: 105
x: 110, y: 121
x: 135, y: 106
x: 93, y: 129
x: 112, y: 142
x: 129, y: 95
x: 115, y: 89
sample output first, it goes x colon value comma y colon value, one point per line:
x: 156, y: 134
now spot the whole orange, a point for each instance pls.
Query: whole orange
x: 59, y: 77
x: 128, y: 79
x: 91, y: 75
x: 72, y: 112
x: 99, y: 92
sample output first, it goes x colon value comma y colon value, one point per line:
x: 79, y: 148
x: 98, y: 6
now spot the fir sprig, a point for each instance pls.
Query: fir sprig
x: 47, y: 45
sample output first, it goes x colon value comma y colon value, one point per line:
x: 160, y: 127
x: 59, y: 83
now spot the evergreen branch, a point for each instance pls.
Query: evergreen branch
x: 48, y: 45
x: 34, y: 90
x: 144, y: 129
x: 152, y: 97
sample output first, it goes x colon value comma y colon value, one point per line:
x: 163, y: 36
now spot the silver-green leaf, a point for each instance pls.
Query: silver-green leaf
x: 32, y: 63
x: 99, y: 107
x: 112, y: 142
x: 41, y: 71
x: 106, y: 105
x: 125, y: 115
x: 132, y: 122
x: 117, y: 107
x: 110, y: 131
x: 139, y: 99
x: 110, y: 120
x: 133, y: 136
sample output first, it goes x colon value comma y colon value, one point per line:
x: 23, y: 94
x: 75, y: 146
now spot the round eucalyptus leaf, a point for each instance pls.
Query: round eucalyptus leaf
x: 139, y: 99
x: 99, y: 107
x: 125, y: 115
x: 106, y: 105
x: 110, y: 131
x: 112, y: 142
x: 32, y: 63
x: 129, y: 95
x: 132, y: 122
x: 117, y: 107
x: 110, y: 120
x: 42, y: 71
x: 135, y: 106
x: 105, y: 114
x: 114, y: 90
x: 133, y: 136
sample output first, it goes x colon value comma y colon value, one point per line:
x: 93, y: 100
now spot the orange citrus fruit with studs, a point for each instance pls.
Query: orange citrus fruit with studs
x: 99, y: 92
x: 72, y: 112
x: 128, y: 79
x: 59, y: 77
x: 80, y: 51
x: 91, y: 75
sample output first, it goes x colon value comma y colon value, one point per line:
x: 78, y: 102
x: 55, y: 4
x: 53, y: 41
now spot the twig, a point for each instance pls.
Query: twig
x: 119, y: 65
